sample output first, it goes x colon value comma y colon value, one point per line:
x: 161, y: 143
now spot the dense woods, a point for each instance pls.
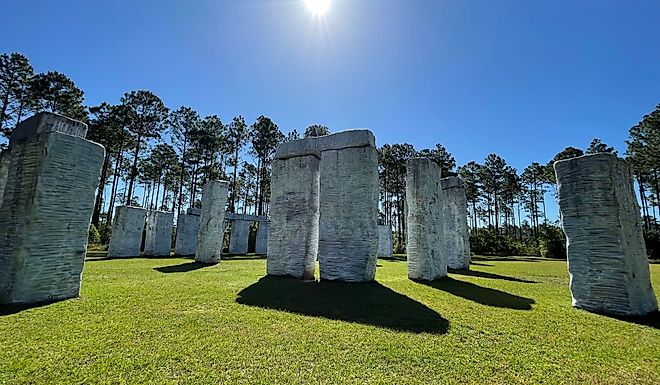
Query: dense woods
x: 159, y: 157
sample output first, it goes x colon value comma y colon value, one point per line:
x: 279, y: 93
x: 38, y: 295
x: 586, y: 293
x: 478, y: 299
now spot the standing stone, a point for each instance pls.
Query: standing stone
x: 348, y: 224
x: 158, y: 238
x: 46, y: 209
x: 600, y: 216
x: 294, y: 217
x: 426, y: 258
x: 4, y: 171
x: 455, y: 232
x: 261, y: 241
x: 385, y: 241
x: 211, y: 232
x: 187, y: 226
x: 240, y: 234
x: 127, y: 229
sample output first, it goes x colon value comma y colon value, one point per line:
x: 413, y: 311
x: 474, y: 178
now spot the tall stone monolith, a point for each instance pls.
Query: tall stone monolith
x: 424, y: 242
x: 385, y: 249
x: 158, y: 236
x: 187, y: 226
x: 261, y: 240
x: 46, y: 209
x: 455, y: 232
x: 211, y: 232
x: 127, y: 230
x: 294, y: 216
x: 239, y: 236
x: 607, y: 261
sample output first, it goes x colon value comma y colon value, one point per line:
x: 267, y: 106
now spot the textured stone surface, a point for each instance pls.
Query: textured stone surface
x: 187, y: 226
x: 294, y: 217
x: 455, y: 232
x: 127, y: 229
x: 336, y: 141
x: 385, y: 241
x: 4, y: 171
x: 600, y: 215
x: 245, y: 217
x: 426, y: 260
x: 238, y: 239
x: 45, y: 122
x: 46, y: 212
x: 158, y: 238
x: 211, y: 229
x: 261, y: 241
x: 348, y: 227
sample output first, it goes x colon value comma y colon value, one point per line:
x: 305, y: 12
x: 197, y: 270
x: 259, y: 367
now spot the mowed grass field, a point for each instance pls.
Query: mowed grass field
x: 173, y: 321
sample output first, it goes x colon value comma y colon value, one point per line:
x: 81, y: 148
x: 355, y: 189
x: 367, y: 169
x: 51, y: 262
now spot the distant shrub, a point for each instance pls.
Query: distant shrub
x: 94, y: 236
x: 552, y: 242
x: 652, y: 239
x: 106, y: 233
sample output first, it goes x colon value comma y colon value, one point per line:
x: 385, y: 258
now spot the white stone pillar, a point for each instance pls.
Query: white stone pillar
x: 348, y: 224
x: 294, y: 217
x: 127, y: 229
x: 385, y: 249
x: 187, y: 226
x: 238, y: 239
x: 456, y: 235
x: 424, y: 241
x: 212, y: 229
x: 158, y: 238
x: 46, y: 209
x: 261, y: 241
x: 600, y: 215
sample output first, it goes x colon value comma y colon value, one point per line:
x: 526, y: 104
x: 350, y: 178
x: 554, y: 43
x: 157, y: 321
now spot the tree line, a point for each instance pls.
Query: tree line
x: 159, y: 158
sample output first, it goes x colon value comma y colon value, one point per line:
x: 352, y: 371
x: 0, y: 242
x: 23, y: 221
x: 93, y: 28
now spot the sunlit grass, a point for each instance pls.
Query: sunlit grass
x: 174, y: 321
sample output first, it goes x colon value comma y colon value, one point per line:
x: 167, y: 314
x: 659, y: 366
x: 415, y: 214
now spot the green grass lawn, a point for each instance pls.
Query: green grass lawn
x: 175, y: 321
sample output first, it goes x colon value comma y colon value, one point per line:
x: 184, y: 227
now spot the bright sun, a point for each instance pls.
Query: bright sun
x: 318, y: 7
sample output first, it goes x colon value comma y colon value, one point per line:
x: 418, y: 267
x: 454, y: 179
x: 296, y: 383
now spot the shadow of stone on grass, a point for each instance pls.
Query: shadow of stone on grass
x: 184, y: 267
x: 483, y: 295
x: 365, y: 303
x: 483, y: 274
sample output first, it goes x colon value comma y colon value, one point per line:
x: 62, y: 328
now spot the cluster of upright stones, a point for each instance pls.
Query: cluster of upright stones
x: 600, y: 216
x: 385, y: 249
x: 46, y: 209
x: 456, y: 237
x: 187, y: 226
x: 325, y: 204
x: 425, y: 239
x: 127, y: 228
x: 210, y: 236
x: 158, y: 237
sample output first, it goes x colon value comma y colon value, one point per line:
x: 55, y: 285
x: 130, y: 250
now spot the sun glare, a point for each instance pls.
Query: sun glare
x: 318, y: 7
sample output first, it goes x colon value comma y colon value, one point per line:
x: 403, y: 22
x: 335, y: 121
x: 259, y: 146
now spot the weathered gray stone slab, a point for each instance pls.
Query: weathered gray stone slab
x: 238, y: 239
x: 261, y: 241
x: 385, y: 249
x: 600, y: 215
x: 456, y: 235
x: 348, y: 224
x: 194, y: 211
x: 187, y: 226
x: 294, y: 217
x: 211, y: 230
x: 424, y: 243
x: 46, y: 211
x: 4, y: 171
x: 245, y: 217
x: 45, y: 122
x: 158, y: 238
x: 127, y: 229
x: 336, y: 141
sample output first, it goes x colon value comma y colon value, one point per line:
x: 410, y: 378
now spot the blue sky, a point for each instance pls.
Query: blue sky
x: 519, y: 78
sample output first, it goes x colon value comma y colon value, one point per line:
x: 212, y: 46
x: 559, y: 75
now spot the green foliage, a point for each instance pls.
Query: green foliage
x: 652, y: 239
x: 316, y: 130
x: 552, y: 242
x: 105, y: 231
x: 94, y: 236
x: 171, y: 320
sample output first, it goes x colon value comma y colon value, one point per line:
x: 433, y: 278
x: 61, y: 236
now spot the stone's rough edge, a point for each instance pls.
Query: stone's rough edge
x: 337, y: 141
x: 44, y: 122
x: 628, y: 295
